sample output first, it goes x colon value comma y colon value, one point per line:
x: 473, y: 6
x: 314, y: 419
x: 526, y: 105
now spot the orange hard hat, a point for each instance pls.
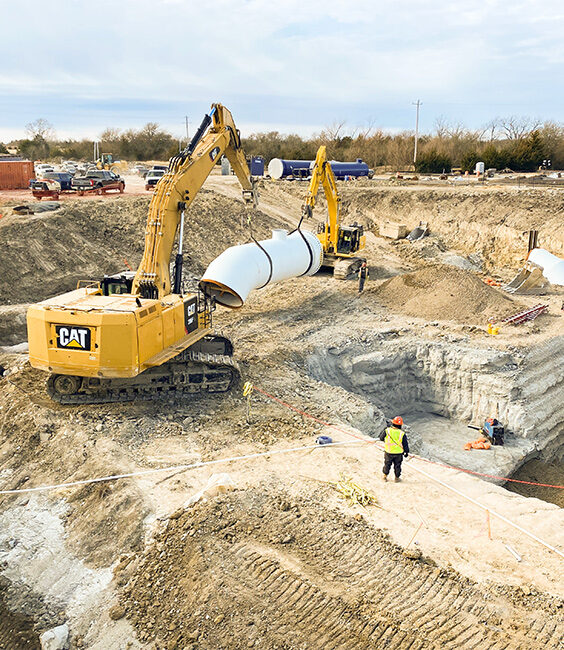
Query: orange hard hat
x: 398, y: 420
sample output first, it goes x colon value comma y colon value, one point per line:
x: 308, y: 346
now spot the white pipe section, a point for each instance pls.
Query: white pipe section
x: 553, y: 267
x: 240, y: 269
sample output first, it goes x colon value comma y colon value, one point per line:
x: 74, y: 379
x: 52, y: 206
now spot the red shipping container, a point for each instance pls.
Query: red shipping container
x: 16, y: 174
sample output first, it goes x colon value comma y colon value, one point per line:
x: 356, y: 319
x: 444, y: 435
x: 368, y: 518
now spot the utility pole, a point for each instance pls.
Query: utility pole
x: 418, y: 104
x: 187, y: 136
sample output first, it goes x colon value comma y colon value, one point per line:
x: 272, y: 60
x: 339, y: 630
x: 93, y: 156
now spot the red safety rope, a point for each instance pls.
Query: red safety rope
x: 426, y: 460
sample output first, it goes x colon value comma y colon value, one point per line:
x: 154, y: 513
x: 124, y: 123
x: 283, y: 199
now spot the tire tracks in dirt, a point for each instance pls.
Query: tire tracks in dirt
x: 296, y: 575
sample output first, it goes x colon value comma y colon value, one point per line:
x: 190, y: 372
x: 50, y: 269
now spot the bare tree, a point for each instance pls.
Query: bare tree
x: 332, y: 132
x: 109, y: 135
x: 517, y: 128
x: 367, y: 130
x: 446, y: 129
x: 490, y: 130
x: 40, y: 128
x: 441, y: 127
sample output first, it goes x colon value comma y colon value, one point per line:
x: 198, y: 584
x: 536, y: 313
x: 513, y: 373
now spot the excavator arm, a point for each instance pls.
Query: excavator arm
x: 187, y: 172
x: 322, y: 174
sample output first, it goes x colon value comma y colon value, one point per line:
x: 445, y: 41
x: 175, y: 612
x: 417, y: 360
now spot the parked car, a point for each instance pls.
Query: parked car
x: 152, y: 178
x: 142, y: 170
x: 98, y: 181
x: 156, y: 168
x: 45, y: 187
x: 70, y: 166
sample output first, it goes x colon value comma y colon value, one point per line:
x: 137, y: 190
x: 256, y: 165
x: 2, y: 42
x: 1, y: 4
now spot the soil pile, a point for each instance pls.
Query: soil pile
x: 440, y: 292
x: 253, y: 569
x: 49, y: 252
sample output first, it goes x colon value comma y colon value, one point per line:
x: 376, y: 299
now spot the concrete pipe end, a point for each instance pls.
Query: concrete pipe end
x: 223, y: 294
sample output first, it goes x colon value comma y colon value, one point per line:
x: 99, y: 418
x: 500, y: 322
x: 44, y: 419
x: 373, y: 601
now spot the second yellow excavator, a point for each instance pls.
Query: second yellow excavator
x: 136, y: 335
x: 340, y: 243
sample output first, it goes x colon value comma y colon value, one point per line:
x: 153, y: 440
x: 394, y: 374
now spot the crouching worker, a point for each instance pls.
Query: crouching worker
x: 395, y: 448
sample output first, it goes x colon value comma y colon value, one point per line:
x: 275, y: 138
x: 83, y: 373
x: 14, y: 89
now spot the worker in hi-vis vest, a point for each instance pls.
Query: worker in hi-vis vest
x: 395, y: 448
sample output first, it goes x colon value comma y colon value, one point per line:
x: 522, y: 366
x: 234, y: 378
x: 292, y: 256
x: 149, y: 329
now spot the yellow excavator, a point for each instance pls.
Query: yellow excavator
x: 340, y: 243
x: 137, y: 335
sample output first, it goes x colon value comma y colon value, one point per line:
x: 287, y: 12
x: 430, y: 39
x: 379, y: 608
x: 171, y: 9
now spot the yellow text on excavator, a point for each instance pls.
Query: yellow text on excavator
x: 137, y: 335
x: 340, y: 243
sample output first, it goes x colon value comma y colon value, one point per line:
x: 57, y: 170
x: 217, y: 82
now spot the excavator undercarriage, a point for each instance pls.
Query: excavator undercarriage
x: 207, y: 366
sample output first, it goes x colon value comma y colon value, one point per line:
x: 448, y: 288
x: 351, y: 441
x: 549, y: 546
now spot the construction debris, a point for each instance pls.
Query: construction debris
x: 393, y: 230
x: 419, y: 232
x: 527, y: 315
x: 354, y: 493
x: 480, y: 443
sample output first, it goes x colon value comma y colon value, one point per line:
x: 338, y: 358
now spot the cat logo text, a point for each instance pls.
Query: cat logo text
x: 77, y: 338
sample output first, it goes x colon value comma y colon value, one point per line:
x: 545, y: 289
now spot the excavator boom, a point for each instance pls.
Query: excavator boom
x: 175, y: 191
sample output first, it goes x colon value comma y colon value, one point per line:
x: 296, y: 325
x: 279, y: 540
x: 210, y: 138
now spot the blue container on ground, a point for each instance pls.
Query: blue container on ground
x: 257, y: 166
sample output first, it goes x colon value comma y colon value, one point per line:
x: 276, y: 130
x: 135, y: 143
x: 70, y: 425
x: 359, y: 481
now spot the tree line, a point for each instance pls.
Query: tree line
x: 521, y: 144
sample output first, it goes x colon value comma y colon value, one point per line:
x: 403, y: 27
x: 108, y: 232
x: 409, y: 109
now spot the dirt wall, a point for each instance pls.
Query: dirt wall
x: 493, y: 222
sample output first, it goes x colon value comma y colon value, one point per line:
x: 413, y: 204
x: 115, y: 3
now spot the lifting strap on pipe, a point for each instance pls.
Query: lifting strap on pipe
x: 252, y: 237
x: 269, y: 262
x: 306, y: 243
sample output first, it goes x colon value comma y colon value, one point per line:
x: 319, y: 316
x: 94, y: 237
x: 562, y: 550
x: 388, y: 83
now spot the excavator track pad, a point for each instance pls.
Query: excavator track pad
x: 207, y: 366
x: 346, y: 267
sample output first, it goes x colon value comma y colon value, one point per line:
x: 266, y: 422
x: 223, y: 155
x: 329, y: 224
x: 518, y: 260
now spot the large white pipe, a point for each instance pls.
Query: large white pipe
x: 240, y: 269
x: 553, y: 267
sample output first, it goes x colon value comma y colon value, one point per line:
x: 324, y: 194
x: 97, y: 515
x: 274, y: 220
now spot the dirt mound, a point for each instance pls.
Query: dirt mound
x: 253, y: 569
x: 439, y: 292
x: 49, y: 252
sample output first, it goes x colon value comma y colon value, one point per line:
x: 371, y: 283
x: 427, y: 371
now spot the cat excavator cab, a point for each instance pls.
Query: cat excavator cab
x: 340, y: 243
x: 138, y: 335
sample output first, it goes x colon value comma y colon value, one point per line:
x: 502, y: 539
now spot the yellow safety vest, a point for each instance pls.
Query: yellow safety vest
x: 393, y: 441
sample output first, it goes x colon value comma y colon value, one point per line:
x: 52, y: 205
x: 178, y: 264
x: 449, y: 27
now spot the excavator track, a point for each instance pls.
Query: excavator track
x: 346, y: 267
x: 206, y: 367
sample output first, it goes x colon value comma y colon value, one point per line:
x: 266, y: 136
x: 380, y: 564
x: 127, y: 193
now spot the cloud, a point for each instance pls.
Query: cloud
x: 297, y: 60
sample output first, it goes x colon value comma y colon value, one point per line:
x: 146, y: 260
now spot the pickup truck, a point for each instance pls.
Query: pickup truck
x: 152, y: 178
x: 63, y: 178
x: 98, y: 181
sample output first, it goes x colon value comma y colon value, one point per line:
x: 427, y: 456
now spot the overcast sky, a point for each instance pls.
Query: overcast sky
x: 286, y: 65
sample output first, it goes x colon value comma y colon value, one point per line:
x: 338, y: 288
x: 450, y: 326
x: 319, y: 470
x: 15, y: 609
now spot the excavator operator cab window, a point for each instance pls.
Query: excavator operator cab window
x: 344, y: 243
x: 117, y: 284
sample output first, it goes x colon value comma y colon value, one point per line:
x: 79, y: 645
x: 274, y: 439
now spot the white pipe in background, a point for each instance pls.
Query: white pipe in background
x: 553, y: 267
x: 240, y: 269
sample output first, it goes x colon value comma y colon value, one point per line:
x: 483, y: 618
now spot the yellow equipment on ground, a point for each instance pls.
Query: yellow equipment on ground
x: 340, y: 243
x: 107, y: 161
x: 133, y: 335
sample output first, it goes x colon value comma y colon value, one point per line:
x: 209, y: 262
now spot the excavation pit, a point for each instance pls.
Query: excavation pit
x: 440, y: 388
